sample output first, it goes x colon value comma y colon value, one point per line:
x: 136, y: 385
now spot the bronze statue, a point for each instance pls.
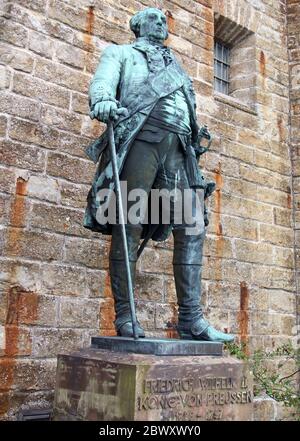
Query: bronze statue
x: 157, y: 144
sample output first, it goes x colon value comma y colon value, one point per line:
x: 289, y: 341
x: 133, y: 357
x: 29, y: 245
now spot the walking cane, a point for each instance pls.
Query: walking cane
x: 112, y: 147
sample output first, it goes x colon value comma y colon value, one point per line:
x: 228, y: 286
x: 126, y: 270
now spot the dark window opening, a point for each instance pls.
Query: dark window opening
x: 221, y: 67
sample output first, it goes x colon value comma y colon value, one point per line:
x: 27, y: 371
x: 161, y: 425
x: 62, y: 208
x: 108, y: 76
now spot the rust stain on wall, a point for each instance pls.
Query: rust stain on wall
x: 17, y: 216
x: 21, y: 305
x: 87, y: 37
x: 21, y: 309
x: 90, y: 20
x: 171, y: 25
x: 280, y: 128
x: 170, y: 21
x: 243, y: 317
x: 262, y: 68
x: 262, y: 63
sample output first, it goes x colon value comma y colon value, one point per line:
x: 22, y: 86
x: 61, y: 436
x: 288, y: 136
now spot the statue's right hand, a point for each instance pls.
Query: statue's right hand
x: 105, y: 111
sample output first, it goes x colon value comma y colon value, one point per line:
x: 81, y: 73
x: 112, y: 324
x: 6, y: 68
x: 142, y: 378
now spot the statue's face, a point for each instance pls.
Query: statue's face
x: 154, y: 25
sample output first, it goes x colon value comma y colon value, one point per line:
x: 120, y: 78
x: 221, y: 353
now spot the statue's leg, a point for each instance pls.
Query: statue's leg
x: 189, y: 235
x: 139, y: 173
x: 187, y: 264
x: 119, y: 278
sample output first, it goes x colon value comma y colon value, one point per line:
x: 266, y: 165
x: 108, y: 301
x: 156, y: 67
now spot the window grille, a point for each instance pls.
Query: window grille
x: 221, y: 70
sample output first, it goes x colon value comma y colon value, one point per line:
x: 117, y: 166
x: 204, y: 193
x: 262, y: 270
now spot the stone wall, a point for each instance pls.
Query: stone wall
x: 54, y: 279
x: 293, y: 20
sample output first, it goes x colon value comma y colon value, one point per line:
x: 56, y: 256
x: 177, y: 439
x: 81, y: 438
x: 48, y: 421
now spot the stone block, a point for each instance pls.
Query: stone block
x: 5, y: 77
x: 13, y: 32
x: 282, y: 216
x: 165, y: 316
x: 62, y: 119
x: 92, y: 129
x: 40, y: 90
x: 3, y: 126
x: 72, y: 16
x: 73, y: 195
x: 146, y: 313
x: 57, y: 219
x: 80, y: 103
x: 253, y: 252
x: 34, y: 245
x: 224, y: 294
x: 90, y: 253
x: 62, y: 75
x: 41, y: 44
x: 78, y: 313
x: 19, y: 106
x: 282, y: 301
x: 44, y: 188
x: 218, y: 247
x: 70, y: 168
x: 70, y: 55
x: 264, y: 409
x: 7, y: 180
x: 156, y: 261
x: 22, y: 156
x: 284, y: 257
x: 48, y: 342
x: 133, y: 387
x: 149, y: 287
x: 276, y: 235
x: 15, y: 58
x: 61, y: 280
x: 97, y: 283
x: 234, y: 227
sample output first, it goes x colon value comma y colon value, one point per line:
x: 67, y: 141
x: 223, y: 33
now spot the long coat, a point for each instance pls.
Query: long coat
x: 135, y: 77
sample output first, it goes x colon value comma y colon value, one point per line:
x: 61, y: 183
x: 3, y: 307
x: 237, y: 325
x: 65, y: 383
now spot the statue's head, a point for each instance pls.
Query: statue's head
x: 151, y: 23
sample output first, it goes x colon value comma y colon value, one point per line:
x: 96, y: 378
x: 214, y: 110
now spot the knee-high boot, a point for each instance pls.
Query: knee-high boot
x: 187, y: 265
x: 118, y: 277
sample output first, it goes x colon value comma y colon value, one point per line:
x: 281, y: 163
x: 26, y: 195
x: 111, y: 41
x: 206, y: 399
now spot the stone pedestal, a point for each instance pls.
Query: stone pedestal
x: 100, y: 385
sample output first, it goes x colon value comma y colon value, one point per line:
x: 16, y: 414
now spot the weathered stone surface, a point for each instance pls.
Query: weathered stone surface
x: 59, y: 280
x: 264, y: 409
x: 154, y: 261
x: 44, y: 188
x: 7, y: 180
x: 22, y: 156
x: 41, y: 90
x: 34, y: 245
x: 30, y: 374
x: 77, y: 313
x: 3, y: 126
x: 41, y: 44
x: 73, y: 195
x: 70, y: 168
x: 47, y: 56
x: 15, y: 58
x: 19, y: 106
x: 57, y: 219
x: 61, y: 119
x: 149, y: 287
x: 169, y: 388
x: 13, y: 33
x: 62, y: 75
x: 46, y: 341
x: 70, y: 55
x: 90, y: 253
